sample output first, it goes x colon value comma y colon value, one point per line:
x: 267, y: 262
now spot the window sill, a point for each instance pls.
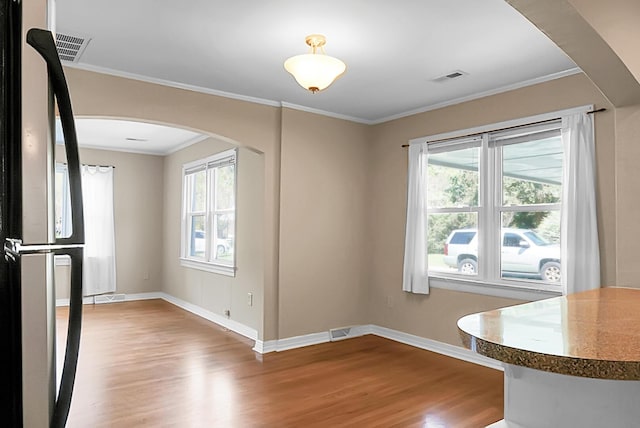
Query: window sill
x: 209, y: 267
x: 520, y: 292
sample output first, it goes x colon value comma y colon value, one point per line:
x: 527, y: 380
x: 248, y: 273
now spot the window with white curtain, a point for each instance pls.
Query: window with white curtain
x: 209, y: 213
x: 490, y: 204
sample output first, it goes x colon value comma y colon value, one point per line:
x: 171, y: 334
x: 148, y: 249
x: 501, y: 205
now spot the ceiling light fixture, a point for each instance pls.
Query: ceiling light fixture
x: 315, y: 71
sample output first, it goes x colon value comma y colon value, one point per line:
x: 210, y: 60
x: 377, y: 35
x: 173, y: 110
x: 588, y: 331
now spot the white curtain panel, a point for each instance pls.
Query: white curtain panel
x: 414, y: 276
x: 99, y: 266
x: 580, y: 251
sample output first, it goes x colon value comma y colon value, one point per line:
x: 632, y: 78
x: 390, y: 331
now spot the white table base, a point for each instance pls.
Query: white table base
x: 539, y: 399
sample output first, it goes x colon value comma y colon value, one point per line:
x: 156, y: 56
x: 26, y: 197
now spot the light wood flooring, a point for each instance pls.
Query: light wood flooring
x: 151, y: 364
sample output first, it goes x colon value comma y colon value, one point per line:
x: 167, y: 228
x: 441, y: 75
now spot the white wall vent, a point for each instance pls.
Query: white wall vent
x: 108, y: 298
x: 70, y: 47
x: 455, y: 74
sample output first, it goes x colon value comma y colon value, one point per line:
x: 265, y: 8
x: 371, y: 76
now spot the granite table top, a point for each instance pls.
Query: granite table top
x: 593, y: 334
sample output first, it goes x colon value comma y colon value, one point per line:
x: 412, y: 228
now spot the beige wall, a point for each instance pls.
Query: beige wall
x: 628, y: 203
x: 245, y: 124
x: 434, y: 316
x: 334, y: 201
x: 323, y: 208
x: 214, y: 292
x: 617, y: 23
x: 138, y: 194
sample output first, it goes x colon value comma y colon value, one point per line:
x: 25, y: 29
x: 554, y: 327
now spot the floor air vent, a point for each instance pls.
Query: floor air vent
x: 70, y: 47
x: 339, y: 333
x: 108, y: 298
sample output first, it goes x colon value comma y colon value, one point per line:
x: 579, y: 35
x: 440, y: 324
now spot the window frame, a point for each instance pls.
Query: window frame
x: 481, y: 285
x: 209, y: 164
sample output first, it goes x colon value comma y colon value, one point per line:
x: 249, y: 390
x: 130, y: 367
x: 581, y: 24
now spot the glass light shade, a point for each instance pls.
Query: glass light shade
x: 314, y: 72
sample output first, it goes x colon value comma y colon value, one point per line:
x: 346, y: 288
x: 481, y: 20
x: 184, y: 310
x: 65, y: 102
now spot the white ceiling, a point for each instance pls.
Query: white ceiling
x: 136, y: 137
x: 392, y: 49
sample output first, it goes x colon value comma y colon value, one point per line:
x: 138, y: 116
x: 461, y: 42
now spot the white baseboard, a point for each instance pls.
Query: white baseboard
x: 143, y: 296
x: 227, y: 323
x: 435, y: 346
x: 89, y: 300
x: 264, y: 347
x: 301, y: 341
x: 395, y: 335
x: 304, y: 340
x: 291, y: 342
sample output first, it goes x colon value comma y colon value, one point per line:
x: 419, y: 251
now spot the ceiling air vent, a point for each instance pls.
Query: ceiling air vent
x: 456, y: 74
x: 70, y: 47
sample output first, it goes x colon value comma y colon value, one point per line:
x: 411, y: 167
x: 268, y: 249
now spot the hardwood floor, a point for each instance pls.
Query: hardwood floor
x: 151, y: 364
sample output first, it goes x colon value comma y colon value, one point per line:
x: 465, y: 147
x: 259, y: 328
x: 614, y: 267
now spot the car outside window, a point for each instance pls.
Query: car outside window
x: 462, y: 237
x: 511, y: 240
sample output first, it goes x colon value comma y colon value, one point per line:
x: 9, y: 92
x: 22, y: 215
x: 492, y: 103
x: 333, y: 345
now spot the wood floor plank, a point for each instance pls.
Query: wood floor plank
x: 151, y: 364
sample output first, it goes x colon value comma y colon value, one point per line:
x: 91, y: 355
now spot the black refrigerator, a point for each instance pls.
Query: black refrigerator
x: 31, y: 84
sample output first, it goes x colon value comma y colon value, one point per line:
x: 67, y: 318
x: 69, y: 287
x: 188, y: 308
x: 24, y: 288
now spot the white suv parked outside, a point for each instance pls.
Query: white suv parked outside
x: 524, y: 254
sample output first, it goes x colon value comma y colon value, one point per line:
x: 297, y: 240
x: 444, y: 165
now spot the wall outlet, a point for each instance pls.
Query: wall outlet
x: 250, y: 299
x: 227, y: 313
x: 389, y: 302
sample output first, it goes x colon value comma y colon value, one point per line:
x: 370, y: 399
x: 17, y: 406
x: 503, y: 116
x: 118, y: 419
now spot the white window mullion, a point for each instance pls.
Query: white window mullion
x: 208, y: 217
x: 186, y: 218
x: 496, y: 213
x: 485, y: 256
x: 530, y: 208
x: 470, y: 209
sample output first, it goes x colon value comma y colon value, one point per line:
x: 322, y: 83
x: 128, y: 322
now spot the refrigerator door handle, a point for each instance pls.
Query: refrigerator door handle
x: 42, y: 41
x: 14, y: 248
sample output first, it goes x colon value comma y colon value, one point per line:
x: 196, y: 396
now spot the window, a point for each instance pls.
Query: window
x: 208, y: 213
x: 493, y: 207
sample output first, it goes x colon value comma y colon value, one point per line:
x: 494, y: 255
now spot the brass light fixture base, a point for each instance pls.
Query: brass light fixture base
x: 315, y: 41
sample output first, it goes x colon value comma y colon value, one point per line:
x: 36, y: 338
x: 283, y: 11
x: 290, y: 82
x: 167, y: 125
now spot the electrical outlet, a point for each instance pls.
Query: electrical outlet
x: 227, y: 313
x: 389, y: 302
x: 250, y: 299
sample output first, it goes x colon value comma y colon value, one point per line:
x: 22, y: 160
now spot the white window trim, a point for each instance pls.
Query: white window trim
x: 208, y: 266
x: 497, y: 288
x: 218, y: 268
